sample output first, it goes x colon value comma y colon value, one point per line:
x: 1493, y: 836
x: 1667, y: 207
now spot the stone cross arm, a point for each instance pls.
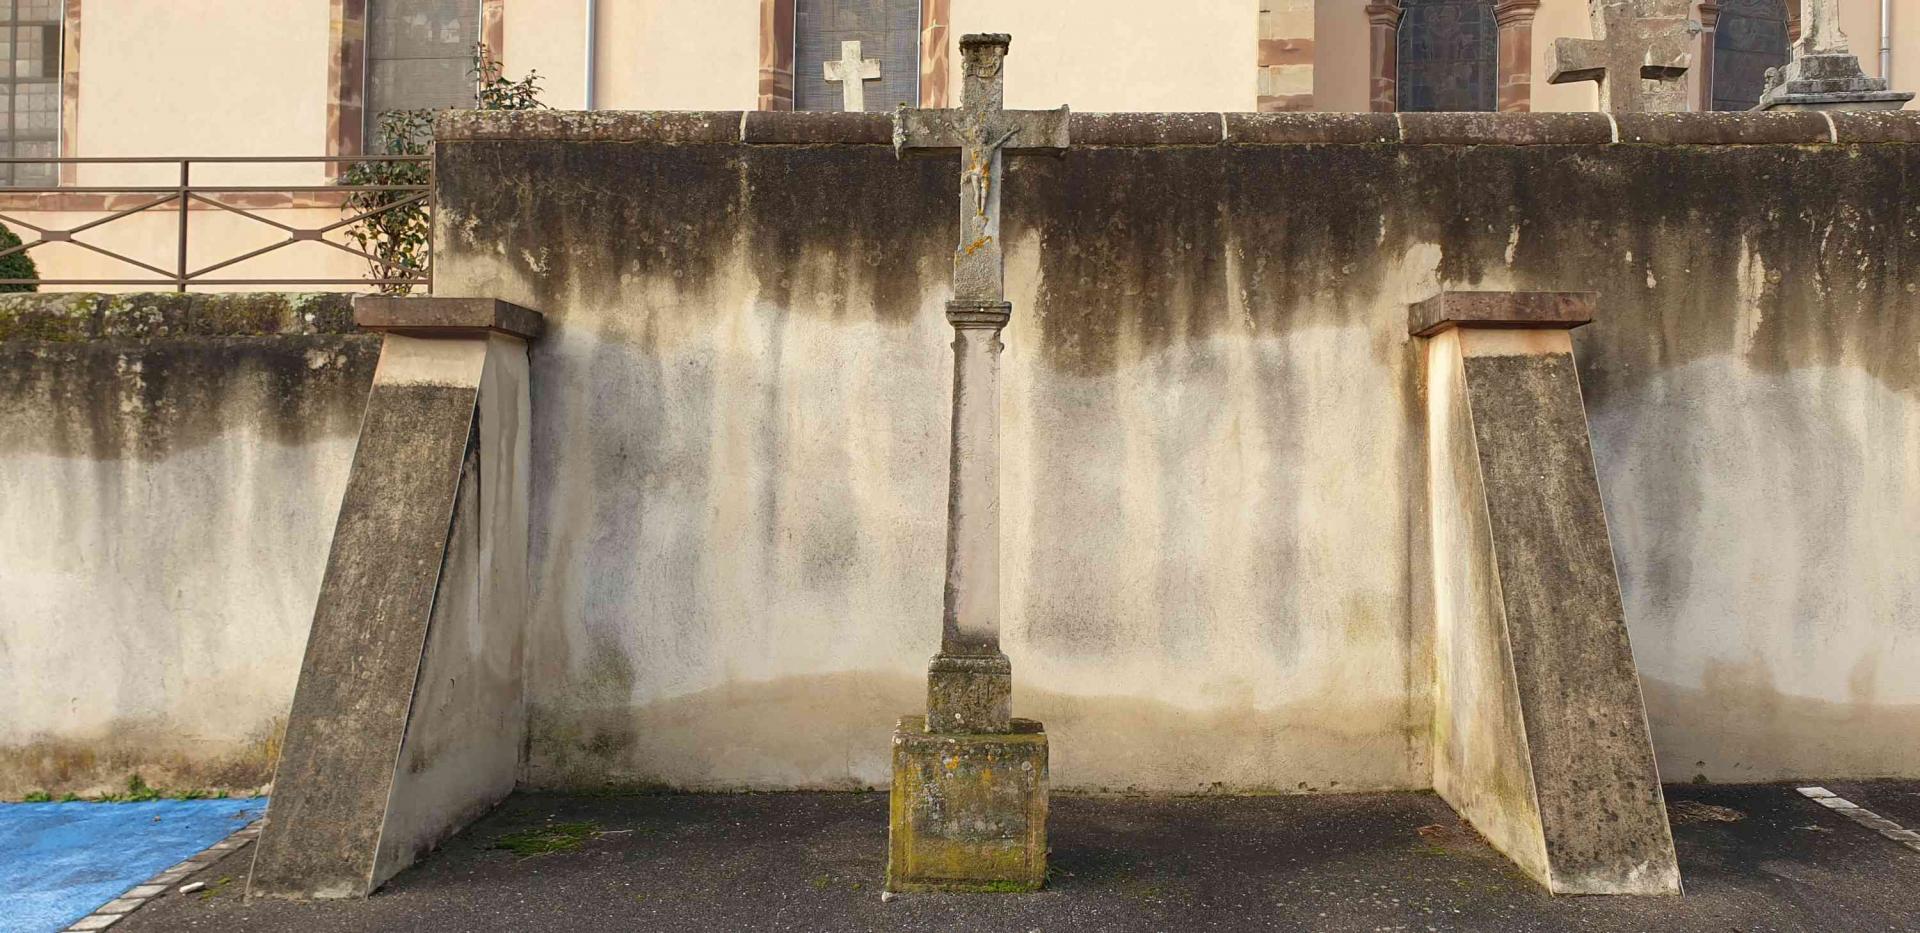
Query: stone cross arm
x: 1632, y: 49
x: 1032, y: 131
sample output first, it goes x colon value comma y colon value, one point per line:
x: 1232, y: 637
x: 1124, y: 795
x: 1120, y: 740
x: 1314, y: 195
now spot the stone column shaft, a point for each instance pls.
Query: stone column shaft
x: 970, y: 682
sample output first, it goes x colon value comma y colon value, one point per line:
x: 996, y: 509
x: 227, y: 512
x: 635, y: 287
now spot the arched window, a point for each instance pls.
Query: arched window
x: 1449, y: 52
x: 1750, y: 37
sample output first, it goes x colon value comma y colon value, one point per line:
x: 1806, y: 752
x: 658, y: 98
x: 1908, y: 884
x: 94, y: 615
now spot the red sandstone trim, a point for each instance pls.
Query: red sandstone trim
x: 1514, y: 83
x: 776, y: 55
x: 16, y: 201
x: 1710, y: 28
x: 70, y: 92
x: 346, y: 79
x: 1383, y: 56
x: 936, y: 21
x: 493, y: 27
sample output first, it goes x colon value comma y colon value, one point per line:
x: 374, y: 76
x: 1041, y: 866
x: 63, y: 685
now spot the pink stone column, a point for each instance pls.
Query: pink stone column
x: 1385, y: 46
x: 1515, y: 82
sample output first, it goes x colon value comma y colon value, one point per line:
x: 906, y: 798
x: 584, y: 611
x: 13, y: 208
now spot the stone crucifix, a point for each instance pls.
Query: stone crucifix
x: 1641, y: 51
x: 1824, y: 74
x: 970, y: 682
x: 852, y: 73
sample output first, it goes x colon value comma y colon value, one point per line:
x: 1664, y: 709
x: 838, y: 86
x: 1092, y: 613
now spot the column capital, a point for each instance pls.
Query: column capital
x: 1515, y: 12
x: 1385, y: 13
x: 975, y: 315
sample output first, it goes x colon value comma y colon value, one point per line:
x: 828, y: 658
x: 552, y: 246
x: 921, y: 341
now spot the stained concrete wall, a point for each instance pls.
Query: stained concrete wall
x: 170, y: 467
x: 1211, y: 412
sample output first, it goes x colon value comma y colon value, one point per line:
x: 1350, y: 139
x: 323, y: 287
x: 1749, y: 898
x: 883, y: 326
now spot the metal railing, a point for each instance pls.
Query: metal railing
x: 358, y: 203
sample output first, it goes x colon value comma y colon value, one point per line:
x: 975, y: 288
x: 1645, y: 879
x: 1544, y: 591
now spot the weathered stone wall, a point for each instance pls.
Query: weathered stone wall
x: 1212, y: 411
x: 170, y: 468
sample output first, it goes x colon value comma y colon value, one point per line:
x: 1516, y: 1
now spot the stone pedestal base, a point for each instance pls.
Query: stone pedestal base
x: 969, y: 812
x: 1828, y: 81
x: 968, y: 694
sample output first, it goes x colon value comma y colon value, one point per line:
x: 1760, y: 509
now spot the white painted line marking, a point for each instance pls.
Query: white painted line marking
x: 1863, y: 816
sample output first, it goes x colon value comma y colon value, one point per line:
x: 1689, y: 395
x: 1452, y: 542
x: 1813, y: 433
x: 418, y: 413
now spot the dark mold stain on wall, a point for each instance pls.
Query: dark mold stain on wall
x: 1135, y: 240
x: 110, y: 400
x: 588, y: 214
x: 140, y: 376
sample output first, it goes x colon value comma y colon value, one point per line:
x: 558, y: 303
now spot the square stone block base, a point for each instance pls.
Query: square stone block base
x: 969, y: 812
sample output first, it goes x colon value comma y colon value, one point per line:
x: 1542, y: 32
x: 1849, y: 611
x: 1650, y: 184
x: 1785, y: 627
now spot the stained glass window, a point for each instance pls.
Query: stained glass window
x: 1751, y: 37
x: 1449, y: 55
x: 887, y: 30
x: 31, y: 36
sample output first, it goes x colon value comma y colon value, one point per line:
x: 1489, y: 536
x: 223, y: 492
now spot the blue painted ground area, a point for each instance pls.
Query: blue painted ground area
x: 58, y: 861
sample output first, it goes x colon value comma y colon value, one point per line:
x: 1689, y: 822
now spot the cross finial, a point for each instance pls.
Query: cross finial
x: 852, y: 73
x: 1641, y: 51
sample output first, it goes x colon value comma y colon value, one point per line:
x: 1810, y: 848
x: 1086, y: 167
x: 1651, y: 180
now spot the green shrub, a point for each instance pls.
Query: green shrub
x: 16, y: 265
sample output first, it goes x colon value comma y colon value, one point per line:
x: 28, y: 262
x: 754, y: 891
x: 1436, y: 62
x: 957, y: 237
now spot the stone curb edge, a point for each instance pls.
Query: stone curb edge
x: 1095, y: 130
x: 136, y: 897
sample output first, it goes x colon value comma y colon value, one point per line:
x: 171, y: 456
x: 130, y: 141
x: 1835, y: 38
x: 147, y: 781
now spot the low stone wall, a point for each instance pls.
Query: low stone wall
x: 1214, y: 455
x: 170, y: 469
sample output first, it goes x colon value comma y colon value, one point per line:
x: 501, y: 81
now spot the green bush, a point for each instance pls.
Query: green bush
x: 16, y: 265
x: 396, y: 233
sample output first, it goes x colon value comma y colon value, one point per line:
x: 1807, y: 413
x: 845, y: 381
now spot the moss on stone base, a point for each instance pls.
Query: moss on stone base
x: 968, y: 812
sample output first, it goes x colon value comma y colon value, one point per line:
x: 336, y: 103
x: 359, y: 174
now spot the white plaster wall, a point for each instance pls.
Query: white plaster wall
x: 676, y: 55
x: 1105, y: 55
x: 203, y: 77
x: 156, y: 608
x: 1767, y: 527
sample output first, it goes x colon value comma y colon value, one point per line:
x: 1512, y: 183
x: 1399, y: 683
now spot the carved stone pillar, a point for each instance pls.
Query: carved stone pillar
x: 1515, y: 82
x: 1385, y: 45
x: 1703, y: 75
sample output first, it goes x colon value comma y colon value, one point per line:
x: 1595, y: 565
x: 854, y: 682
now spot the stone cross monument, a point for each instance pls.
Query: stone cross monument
x: 1641, y: 52
x: 969, y: 781
x: 1824, y: 74
x: 852, y: 73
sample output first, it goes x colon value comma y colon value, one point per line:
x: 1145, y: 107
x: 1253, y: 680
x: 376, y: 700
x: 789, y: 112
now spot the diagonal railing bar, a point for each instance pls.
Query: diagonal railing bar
x: 175, y: 201
x: 336, y: 244
x: 244, y: 212
x: 319, y: 235
x: 17, y: 222
x: 422, y: 196
x: 66, y: 235
x: 126, y: 259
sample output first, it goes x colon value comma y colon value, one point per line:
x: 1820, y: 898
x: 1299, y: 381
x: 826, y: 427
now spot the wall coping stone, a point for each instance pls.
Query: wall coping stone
x: 1095, y: 130
x: 431, y: 316
x: 72, y: 317
x: 1505, y: 310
